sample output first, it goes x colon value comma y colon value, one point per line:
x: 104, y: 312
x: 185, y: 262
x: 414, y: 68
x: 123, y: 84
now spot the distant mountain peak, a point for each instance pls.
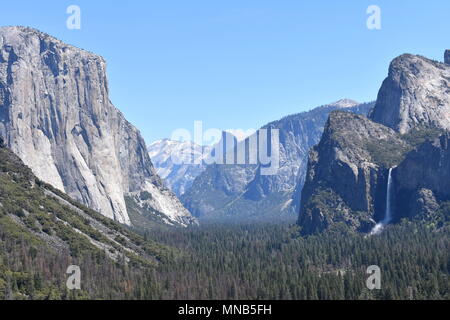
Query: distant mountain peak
x: 345, y: 103
x: 240, y: 134
x: 240, y: 192
x: 178, y: 163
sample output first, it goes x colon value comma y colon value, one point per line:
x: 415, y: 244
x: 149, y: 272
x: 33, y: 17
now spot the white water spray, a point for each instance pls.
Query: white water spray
x: 388, y: 216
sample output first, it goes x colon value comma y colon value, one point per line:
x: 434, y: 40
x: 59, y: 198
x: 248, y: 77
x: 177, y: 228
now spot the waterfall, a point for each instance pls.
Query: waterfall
x: 388, y: 215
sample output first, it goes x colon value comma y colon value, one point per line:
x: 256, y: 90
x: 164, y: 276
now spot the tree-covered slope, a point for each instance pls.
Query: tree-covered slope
x: 43, y: 232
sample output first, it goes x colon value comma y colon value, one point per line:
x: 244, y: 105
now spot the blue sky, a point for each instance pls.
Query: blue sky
x: 235, y: 63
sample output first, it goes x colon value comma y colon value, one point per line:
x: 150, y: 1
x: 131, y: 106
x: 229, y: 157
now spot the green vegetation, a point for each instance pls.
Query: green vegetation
x: 419, y: 135
x: 43, y: 231
x: 439, y: 218
x: 247, y: 262
x: 335, y: 214
x: 386, y: 153
x: 273, y: 262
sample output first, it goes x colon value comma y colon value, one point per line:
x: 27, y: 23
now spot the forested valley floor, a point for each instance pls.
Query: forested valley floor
x: 243, y: 262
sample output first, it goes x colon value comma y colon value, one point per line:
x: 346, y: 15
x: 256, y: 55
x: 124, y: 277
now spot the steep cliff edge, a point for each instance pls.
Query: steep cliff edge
x: 415, y: 93
x: 241, y: 192
x: 347, y: 173
x: 347, y: 179
x: 423, y: 182
x: 55, y: 114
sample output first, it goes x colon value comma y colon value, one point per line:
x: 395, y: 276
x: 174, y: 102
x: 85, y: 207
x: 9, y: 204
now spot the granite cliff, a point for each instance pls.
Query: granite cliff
x: 56, y: 115
x: 406, y: 134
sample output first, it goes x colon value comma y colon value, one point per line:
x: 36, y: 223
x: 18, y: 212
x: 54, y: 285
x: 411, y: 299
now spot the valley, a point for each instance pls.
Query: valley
x: 355, y: 185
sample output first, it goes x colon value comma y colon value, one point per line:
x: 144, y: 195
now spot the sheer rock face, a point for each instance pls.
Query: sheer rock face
x: 423, y: 177
x: 416, y: 92
x: 347, y: 172
x: 55, y: 114
x: 346, y: 179
x: 240, y: 191
x: 447, y: 57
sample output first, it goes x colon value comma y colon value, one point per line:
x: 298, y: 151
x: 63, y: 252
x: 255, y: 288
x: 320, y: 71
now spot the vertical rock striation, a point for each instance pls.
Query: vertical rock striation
x: 55, y: 114
x: 423, y: 179
x: 415, y: 93
x: 347, y: 176
x: 348, y: 170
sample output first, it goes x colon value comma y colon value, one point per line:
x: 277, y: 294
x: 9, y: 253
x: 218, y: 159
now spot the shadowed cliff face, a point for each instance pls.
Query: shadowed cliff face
x: 423, y: 179
x: 347, y: 172
x: 55, y: 114
x: 240, y: 192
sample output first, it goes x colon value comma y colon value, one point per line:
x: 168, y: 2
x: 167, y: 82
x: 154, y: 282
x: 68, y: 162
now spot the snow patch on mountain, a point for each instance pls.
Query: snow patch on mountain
x: 178, y: 163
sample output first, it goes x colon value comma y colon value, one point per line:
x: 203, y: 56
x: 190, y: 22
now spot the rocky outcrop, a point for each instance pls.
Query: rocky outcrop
x: 447, y: 57
x: 55, y: 114
x: 423, y: 179
x: 240, y: 192
x: 347, y: 174
x: 415, y: 93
